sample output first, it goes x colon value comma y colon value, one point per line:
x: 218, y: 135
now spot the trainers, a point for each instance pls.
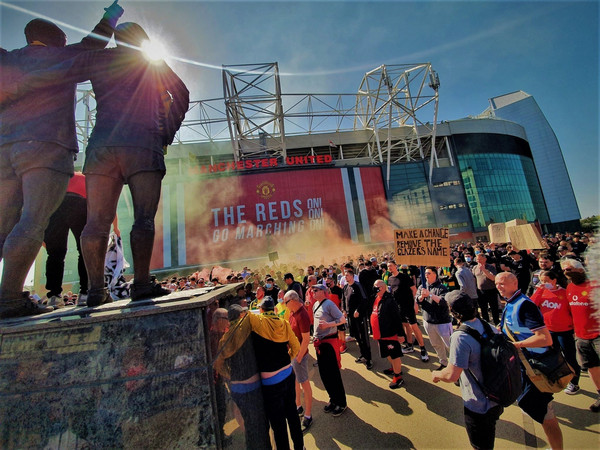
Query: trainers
x: 408, y: 348
x: 338, y: 411
x: 572, y: 389
x: 349, y: 339
x: 360, y: 360
x: 22, y: 307
x: 596, y: 405
x: 329, y: 407
x: 343, y: 349
x: 306, y: 423
x: 424, y: 355
x: 82, y: 300
x: 300, y: 410
x: 56, y: 301
x: 389, y: 371
x: 396, y: 382
x: 97, y: 297
x: 145, y: 291
x: 442, y: 367
x: 369, y: 364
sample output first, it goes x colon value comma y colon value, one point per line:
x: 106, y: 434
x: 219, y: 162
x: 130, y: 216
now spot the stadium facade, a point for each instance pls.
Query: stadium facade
x: 250, y: 175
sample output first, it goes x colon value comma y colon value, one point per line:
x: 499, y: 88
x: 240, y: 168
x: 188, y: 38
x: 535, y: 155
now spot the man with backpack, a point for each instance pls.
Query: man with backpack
x: 480, y: 412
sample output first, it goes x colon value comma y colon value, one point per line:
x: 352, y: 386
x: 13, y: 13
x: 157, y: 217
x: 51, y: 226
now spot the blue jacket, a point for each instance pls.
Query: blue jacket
x: 46, y: 114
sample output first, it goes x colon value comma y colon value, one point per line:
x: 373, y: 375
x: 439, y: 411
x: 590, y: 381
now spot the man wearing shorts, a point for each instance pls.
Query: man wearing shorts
x: 140, y: 106
x: 300, y: 322
x: 404, y: 291
x: 386, y: 323
x: 585, y: 322
x: 37, y: 147
x: 523, y: 319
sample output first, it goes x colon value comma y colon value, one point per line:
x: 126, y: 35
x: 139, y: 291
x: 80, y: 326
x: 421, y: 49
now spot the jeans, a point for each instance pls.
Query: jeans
x: 280, y: 406
x: 565, y: 340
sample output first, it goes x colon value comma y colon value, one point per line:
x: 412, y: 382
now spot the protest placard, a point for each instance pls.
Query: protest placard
x: 498, y: 233
x: 526, y: 237
x: 423, y: 246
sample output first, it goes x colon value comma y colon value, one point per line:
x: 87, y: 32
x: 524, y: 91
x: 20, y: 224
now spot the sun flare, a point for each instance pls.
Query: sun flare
x: 154, y: 51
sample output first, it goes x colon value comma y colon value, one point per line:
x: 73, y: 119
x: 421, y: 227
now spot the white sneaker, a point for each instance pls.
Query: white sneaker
x: 571, y: 389
x: 56, y: 301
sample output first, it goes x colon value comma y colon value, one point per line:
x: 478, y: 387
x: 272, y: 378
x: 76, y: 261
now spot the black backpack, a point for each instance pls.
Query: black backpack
x: 500, y: 365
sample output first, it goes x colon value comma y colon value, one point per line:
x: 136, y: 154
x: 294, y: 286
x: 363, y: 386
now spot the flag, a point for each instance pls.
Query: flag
x: 331, y: 144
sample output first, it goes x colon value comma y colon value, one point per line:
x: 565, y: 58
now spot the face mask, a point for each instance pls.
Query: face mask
x: 477, y: 252
x: 489, y: 250
x: 268, y: 285
x: 468, y: 259
x: 279, y: 300
x: 548, y: 286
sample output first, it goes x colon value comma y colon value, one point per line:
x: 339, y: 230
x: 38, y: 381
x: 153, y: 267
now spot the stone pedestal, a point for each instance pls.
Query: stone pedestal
x: 133, y: 375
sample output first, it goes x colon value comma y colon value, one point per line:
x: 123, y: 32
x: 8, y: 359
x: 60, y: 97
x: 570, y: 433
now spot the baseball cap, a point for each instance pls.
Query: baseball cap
x: 459, y: 302
x: 320, y: 287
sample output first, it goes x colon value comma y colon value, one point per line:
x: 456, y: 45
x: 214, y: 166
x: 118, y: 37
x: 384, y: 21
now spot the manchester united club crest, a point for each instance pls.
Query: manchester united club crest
x: 265, y: 189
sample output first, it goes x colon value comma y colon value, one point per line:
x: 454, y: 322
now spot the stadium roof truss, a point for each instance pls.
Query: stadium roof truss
x: 254, y: 110
x: 393, y: 115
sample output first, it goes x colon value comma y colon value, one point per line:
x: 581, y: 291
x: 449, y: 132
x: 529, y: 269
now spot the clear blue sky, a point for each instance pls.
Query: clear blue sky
x: 483, y: 49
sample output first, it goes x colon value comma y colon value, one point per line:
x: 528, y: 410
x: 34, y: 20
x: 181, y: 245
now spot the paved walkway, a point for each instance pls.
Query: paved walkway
x: 423, y: 415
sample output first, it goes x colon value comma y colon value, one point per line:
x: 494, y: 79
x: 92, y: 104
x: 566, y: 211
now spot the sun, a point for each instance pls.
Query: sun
x: 153, y: 51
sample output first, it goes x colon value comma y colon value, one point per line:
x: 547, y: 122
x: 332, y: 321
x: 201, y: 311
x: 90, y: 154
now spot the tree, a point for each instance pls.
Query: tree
x: 590, y: 224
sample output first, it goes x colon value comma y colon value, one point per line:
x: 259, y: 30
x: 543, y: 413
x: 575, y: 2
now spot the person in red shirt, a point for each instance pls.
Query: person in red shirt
x: 386, y: 323
x: 552, y: 301
x: 585, y: 321
x: 300, y: 322
x: 309, y: 299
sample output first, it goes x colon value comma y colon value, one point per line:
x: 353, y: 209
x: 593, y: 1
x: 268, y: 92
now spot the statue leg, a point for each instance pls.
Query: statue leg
x: 11, y: 203
x: 145, y: 192
x: 43, y: 191
x: 102, y: 198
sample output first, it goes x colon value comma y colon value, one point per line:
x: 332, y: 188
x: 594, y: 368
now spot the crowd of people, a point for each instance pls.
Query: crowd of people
x: 542, y: 297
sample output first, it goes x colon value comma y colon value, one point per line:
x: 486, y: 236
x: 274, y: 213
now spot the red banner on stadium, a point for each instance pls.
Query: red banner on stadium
x: 305, y: 212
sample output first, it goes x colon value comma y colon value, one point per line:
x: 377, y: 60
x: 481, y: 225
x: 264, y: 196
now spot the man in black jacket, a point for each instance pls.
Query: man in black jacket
x: 436, y: 314
x: 357, y: 304
x: 37, y: 147
x: 386, y: 322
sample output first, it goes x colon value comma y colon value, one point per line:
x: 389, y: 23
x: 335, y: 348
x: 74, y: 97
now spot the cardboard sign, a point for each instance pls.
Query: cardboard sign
x: 498, y: 233
x: 423, y: 246
x: 526, y: 237
x: 515, y: 222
